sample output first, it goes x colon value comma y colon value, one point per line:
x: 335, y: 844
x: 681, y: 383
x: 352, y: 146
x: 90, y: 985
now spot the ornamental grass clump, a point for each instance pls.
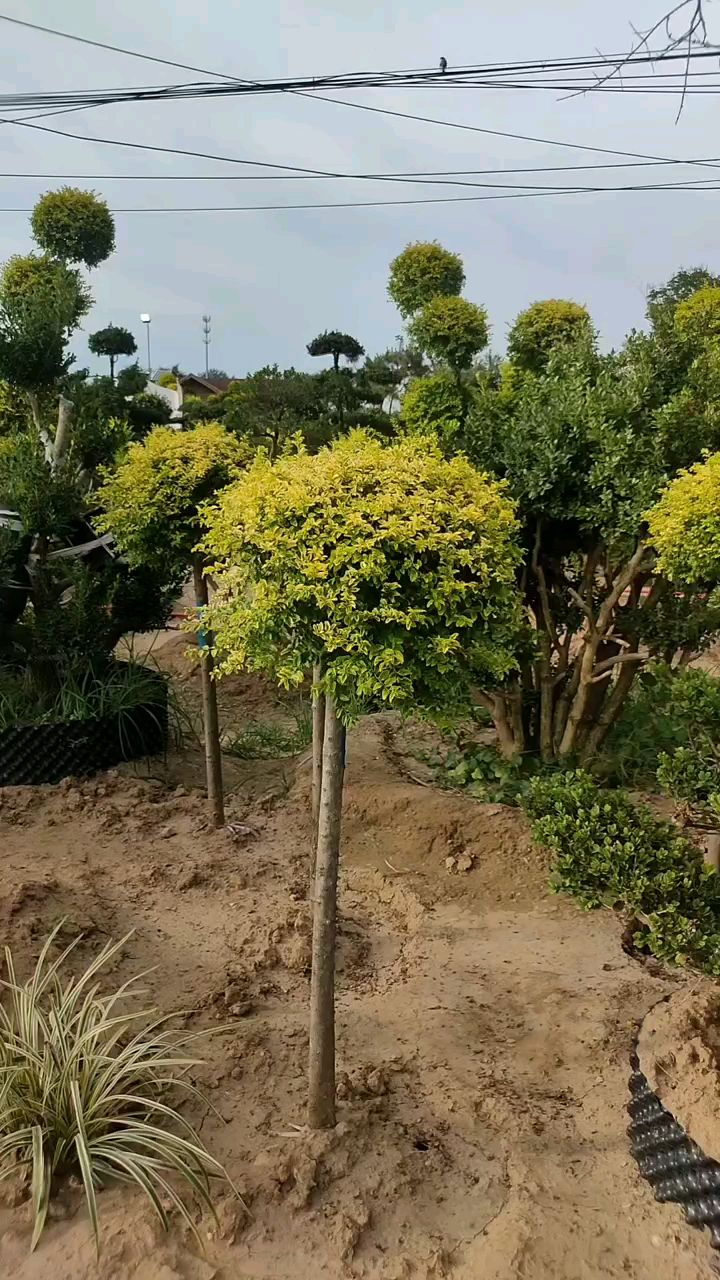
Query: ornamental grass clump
x: 86, y: 1089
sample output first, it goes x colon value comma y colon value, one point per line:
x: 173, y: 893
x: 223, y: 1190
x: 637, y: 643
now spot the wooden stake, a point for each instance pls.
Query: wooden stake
x: 211, y: 727
x: 321, y: 1076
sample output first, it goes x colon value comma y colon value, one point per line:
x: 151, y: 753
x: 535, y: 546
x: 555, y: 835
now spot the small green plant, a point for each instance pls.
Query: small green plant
x: 611, y: 852
x: 264, y: 740
x: 691, y: 775
x: 86, y: 1090
x: 118, y: 691
x: 481, y: 771
x: 666, y: 710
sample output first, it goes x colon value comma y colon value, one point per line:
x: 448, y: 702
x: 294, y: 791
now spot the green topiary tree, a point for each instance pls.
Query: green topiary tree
x: 392, y: 570
x: 62, y: 611
x: 337, y: 345
x: 112, y: 342
x: 151, y: 503
x: 74, y: 226
x: 586, y: 444
x: 424, y: 271
x: 451, y: 330
x: 543, y: 328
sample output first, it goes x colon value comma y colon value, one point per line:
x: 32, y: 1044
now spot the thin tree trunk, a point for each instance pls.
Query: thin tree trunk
x: 321, y: 1076
x: 318, y: 733
x: 546, y: 699
x: 211, y: 727
x: 506, y: 739
x: 112, y: 368
x: 45, y: 438
x: 614, y: 704
x: 62, y: 434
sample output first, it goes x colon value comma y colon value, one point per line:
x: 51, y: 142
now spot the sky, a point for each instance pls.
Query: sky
x: 272, y: 280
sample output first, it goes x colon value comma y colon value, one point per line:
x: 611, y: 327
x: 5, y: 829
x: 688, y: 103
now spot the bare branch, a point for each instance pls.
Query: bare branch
x: 693, y: 34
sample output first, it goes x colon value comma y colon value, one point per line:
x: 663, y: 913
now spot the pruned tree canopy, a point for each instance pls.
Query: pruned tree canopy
x: 74, y: 226
x: 423, y: 271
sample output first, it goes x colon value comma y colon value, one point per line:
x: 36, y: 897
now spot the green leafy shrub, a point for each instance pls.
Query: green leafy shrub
x: 544, y: 327
x: 685, y: 523
x: 611, y: 852
x: 691, y: 775
x: 86, y: 1091
x: 666, y: 711
x: 481, y: 771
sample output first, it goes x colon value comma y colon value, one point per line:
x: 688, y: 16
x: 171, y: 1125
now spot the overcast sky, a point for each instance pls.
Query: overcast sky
x: 272, y: 280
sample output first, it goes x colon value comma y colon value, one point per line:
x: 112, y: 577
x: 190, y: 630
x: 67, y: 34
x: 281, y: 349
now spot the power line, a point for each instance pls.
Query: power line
x: 204, y: 155
x: 309, y: 177
x: 378, y: 204
x: 336, y: 101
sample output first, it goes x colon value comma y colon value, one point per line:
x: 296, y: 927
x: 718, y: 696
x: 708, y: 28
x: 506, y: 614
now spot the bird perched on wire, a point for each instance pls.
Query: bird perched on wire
x: 443, y: 65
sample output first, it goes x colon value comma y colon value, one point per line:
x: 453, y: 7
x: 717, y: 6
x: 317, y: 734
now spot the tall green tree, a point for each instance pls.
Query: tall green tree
x: 391, y: 570
x: 113, y: 341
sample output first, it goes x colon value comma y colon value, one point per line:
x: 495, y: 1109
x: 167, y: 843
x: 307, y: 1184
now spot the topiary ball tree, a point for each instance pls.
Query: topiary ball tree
x: 451, y: 330
x: 423, y: 271
x: 74, y: 226
x: 394, y: 571
x: 112, y: 342
x: 544, y: 327
x: 151, y: 504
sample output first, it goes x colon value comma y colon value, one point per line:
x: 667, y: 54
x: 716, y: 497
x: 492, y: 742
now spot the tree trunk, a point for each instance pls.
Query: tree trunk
x: 321, y: 1078
x: 112, y: 368
x: 614, y: 704
x: 211, y: 728
x: 509, y: 748
x: 45, y: 438
x: 318, y: 733
x: 62, y: 434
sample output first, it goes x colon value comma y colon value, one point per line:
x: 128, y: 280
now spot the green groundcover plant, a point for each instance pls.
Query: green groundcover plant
x: 610, y: 851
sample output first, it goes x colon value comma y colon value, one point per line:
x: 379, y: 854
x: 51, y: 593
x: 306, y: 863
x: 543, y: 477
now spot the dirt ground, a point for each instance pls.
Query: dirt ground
x: 484, y: 1028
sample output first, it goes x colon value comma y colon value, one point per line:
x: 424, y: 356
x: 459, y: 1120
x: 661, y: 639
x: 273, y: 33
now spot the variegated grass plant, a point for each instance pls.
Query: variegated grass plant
x: 86, y: 1089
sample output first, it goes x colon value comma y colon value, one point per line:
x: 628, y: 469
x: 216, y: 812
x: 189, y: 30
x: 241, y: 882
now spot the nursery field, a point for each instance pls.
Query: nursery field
x: 484, y: 1025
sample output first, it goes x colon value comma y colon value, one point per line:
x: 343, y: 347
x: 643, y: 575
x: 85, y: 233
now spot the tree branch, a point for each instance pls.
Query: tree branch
x: 600, y: 672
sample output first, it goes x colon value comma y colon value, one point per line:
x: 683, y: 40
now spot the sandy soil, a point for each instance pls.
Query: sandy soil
x: 679, y: 1048
x: 484, y: 1031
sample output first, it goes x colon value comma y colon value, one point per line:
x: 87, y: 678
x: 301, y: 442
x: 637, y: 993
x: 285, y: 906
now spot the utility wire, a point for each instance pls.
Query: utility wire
x: 450, y: 124
x: 378, y: 204
x: 308, y: 177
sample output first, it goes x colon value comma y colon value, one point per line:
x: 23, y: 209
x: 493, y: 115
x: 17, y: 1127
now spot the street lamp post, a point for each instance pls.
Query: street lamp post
x: 146, y: 321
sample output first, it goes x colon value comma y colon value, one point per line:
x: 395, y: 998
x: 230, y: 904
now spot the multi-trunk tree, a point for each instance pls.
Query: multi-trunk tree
x: 586, y: 443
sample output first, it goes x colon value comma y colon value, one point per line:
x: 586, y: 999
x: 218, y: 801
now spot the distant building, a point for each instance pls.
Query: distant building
x: 192, y: 384
x: 188, y: 385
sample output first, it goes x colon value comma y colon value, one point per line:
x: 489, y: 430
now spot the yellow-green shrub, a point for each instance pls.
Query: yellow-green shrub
x: 151, y: 500
x: 685, y: 524
x: 394, y: 567
x: 542, y: 328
